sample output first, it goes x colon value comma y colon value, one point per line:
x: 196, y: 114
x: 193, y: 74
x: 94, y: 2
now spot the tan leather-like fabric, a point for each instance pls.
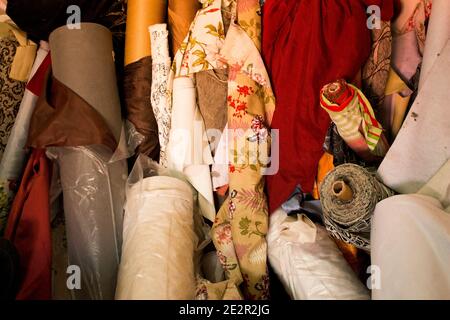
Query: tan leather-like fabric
x: 181, y: 15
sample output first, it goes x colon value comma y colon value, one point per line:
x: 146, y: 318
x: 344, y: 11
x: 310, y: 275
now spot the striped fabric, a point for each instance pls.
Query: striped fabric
x: 354, y: 117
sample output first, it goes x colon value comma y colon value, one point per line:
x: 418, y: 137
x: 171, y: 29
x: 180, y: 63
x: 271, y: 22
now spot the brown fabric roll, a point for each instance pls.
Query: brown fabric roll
x: 181, y: 15
x: 137, y: 92
x: 212, y: 92
x: 140, y: 15
x: 63, y: 118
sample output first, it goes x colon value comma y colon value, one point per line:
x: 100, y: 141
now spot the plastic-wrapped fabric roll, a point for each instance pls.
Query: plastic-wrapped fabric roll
x: 308, y: 262
x: 140, y: 15
x: 94, y: 196
x: 93, y: 187
x: 181, y: 14
x: 438, y: 35
x: 355, y: 119
x: 159, y: 242
x: 349, y: 195
x: 423, y: 144
x: 160, y: 98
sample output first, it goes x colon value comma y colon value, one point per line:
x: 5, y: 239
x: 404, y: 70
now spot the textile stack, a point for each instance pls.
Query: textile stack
x: 224, y: 149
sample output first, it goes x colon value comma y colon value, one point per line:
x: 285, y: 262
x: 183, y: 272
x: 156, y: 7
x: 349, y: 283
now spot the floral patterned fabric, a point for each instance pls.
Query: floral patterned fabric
x: 241, y: 224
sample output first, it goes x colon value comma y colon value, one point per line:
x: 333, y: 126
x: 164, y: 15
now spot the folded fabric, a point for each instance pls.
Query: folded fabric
x: 349, y: 195
x: 354, y: 118
x: 296, y: 37
x: 9, y: 266
x: 410, y: 247
x: 158, y: 242
x: 424, y: 136
x: 28, y: 229
x: 308, y: 262
x: 160, y: 98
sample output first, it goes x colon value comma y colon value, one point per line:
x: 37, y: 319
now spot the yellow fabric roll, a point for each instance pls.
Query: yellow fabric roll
x: 181, y: 15
x: 142, y: 14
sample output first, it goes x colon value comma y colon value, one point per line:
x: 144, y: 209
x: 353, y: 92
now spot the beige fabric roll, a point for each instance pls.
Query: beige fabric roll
x: 140, y: 15
x: 159, y: 242
x: 181, y: 15
x: 82, y: 59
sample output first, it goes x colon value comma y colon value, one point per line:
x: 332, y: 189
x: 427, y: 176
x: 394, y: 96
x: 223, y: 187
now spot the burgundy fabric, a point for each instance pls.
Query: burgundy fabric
x: 307, y: 44
x: 36, y: 83
x: 28, y: 229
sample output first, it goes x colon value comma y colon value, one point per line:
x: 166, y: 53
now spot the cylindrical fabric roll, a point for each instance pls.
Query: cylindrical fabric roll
x: 140, y: 15
x: 159, y: 242
x: 349, y: 220
x: 355, y: 119
x: 160, y: 98
x: 308, y: 262
x: 438, y: 35
x: 411, y: 247
x: 13, y: 159
x: 181, y: 15
x: 94, y: 196
x: 82, y: 60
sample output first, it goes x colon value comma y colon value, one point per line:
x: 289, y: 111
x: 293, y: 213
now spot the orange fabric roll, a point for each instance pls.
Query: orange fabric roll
x: 181, y: 15
x: 142, y: 14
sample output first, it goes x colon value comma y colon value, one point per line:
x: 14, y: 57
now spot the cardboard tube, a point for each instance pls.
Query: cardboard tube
x: 181, y: 15
x: 140, y: 15
x: 342, y: 191
x: 82, y: 60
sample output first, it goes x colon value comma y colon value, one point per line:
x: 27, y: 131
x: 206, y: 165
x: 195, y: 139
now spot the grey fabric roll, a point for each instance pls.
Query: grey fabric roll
x: 350, y: 219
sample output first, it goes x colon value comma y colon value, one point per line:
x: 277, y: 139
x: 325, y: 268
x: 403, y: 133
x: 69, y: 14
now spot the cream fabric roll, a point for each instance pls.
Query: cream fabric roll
x: 188, y: 149
x: 308, y: 262
x: 13, y: 159
x: 220, y: 167
x: 159, y: 242
x: 438, y: 35
x: 422, y: 146
x: 411, y: 247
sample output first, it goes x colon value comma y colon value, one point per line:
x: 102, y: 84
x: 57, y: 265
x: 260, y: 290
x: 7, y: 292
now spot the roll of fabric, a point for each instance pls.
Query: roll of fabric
x: 160, y: 98
x: 159, y: 242
x: 140, y: 15
x: 82, y: 60
x: 296, y: 37
x: 424, y: 136
x: 28, y: 229
x: 181, y: 14
x: 94, y: 196
x: 308, y: 262
x: 438, y: 35
x: 13, y: 161
x: 11, y: 91
x: 410, y: 245
x: 355, y: 119
x: 349, y: 195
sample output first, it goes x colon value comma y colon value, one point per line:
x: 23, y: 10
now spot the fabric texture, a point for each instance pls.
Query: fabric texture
x: 180, y: 15
x: 28, y: 229
x: 300, y: 49
x: 160, y: 99
x: 159, y: 241
x: 308, y: 263
x: 349, y: 218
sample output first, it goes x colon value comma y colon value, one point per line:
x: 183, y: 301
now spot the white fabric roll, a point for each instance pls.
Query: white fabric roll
x: 438, y: 35
x: 158, y: 242
x: 308, y: 262
x: 188, y: 150
x: 411, y: 247
x: 422, y: 146
x: 220, y: 167
x: 13, y: 159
